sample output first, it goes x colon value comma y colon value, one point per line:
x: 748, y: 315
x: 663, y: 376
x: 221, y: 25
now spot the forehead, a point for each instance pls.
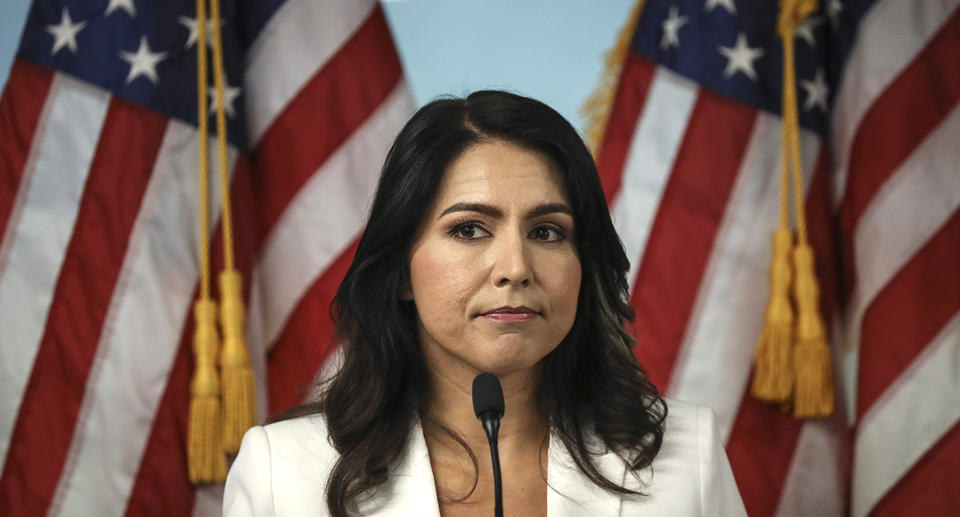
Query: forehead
x: 496, y: 171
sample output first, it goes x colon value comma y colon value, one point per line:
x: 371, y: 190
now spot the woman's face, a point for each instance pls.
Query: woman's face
x: 494, y: 272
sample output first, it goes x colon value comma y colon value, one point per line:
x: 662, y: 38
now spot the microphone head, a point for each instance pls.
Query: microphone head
x: 487, y: 395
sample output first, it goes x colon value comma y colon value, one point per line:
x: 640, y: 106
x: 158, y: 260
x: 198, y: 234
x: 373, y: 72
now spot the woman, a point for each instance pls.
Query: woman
x: 489, y: 248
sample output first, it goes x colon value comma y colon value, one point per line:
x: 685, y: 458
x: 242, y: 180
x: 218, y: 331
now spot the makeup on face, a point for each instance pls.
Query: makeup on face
x: 494, y: 272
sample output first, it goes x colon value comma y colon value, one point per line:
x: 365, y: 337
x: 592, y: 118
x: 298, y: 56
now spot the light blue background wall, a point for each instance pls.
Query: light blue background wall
x: 551, y: 50
x: 12, y: 15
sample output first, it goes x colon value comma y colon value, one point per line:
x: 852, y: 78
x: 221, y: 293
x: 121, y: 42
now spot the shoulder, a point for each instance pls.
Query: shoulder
x: 281, y: 469
x: 690, y: 474
x: 688, y: 428
x: 302, y: 437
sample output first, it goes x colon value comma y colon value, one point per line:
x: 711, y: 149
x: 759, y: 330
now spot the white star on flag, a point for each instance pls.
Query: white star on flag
x: 670, y: 27
x: 230, y: 94
x: 817, y: 92
x: 804, y: 30
x: 126, y: 5
x: 143, y: 62
x: 726, y: 4
x: 65, y: 34
x: 191, y: 25
x: 741, y: 57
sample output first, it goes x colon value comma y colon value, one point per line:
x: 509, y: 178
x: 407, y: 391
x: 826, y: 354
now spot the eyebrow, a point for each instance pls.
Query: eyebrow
x: 544, y: 209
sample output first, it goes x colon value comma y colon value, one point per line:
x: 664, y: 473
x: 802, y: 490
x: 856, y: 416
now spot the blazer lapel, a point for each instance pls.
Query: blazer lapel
x: 570, y: 493
x: 410, y: 489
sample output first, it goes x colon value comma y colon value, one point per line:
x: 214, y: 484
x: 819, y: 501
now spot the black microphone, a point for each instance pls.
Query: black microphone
x: 488, y: 406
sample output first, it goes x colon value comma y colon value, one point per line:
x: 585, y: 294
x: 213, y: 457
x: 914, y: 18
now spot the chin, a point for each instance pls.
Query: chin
x: 508, y: 358
x: 501, y: 367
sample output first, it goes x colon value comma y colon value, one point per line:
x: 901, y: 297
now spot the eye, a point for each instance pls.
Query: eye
x: 468, y: 231
x: 548, y: 233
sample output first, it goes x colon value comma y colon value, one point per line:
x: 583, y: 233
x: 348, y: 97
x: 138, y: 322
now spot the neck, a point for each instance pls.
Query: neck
x: 451, y: 404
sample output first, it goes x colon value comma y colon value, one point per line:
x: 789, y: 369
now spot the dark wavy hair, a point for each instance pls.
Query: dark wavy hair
x: 591, y: 382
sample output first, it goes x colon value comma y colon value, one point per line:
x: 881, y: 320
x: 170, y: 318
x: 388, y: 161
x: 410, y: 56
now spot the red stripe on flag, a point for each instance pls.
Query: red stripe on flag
x: 20, y: 108
x: 931, y: 485
x: 684, y: 229
x: 627, y: 108
x: 920, y: 299
x: 764, y: 438
x: 901, y: 118
x: 760, y: 450
x: 307, y: 339
x: 161, y: 486
x: 914, y: 104
x: 332, y: 105
x: 118, y: 178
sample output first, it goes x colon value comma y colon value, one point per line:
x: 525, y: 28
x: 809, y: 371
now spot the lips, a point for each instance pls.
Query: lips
x: 511, y: 314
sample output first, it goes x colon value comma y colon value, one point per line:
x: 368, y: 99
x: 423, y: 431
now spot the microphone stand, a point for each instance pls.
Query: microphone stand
x: 488, y: 406
x: 491, y: 424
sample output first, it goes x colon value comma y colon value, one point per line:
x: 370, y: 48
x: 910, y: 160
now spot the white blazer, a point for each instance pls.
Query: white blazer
x: 282, y: 470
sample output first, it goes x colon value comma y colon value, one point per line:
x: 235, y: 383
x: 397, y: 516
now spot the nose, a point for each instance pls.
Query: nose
x: 511, y: 265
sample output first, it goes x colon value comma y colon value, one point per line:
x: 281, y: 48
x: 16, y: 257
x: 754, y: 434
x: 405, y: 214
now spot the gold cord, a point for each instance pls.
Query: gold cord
x: 799, y: 351
x: 203, y: 164
x: 791, y: 126
x: 205, y: 460
x: 239, y: 399
x: 792, y: 361
x: 227, y: 220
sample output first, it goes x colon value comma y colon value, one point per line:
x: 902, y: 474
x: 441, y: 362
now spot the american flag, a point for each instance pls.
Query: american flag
x: 98, y: 213
x: 690, y: 162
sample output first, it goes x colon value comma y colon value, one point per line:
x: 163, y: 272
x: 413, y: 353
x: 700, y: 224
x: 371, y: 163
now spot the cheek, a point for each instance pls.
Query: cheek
x: 564, y: 286
x: 440, y: 281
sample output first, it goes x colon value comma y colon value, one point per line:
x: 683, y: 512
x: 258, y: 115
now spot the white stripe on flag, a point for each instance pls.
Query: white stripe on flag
x: 141, y: 333
x: 293, y: 46
x: 928, y: 391
x: 728, y: 315
x: 208, y: 501
x: 910, y: 207
x: 819, y: 464
x: 36, y: 241
x: 818, y: 467
x: 653, y: 149
x: 890, y: 37
x: 321, y: 221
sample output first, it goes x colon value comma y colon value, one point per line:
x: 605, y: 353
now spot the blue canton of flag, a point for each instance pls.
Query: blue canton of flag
x: 144, y: 52
x: 734, y: 49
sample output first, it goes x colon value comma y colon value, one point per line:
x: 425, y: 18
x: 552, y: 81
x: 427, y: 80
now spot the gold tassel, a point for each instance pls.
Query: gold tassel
x: 773, y: 368
x: 813, y: 395
x: 238, y: 396
x: 239, y: 399
x: 811, y: 375
x: 206, y: 462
